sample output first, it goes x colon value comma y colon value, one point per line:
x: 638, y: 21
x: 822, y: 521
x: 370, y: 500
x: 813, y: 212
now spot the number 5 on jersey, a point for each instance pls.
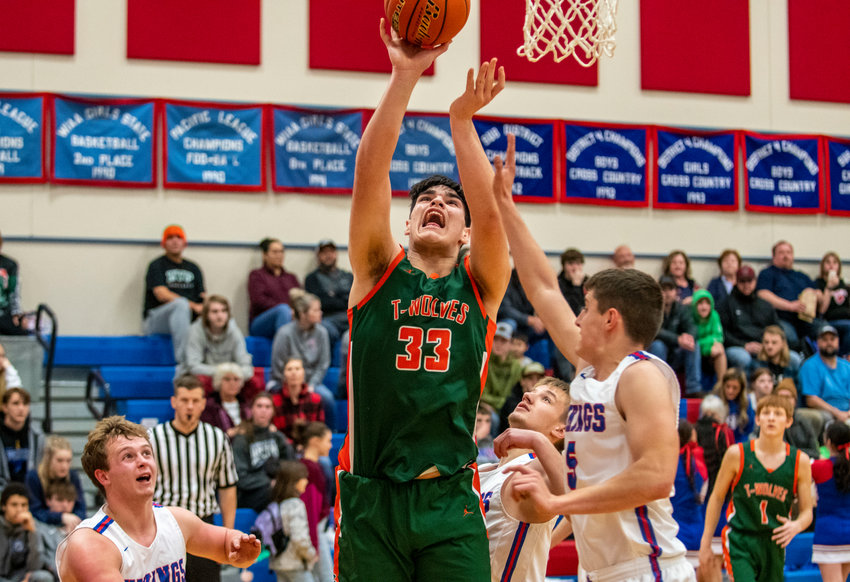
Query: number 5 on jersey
x: 436, y: 341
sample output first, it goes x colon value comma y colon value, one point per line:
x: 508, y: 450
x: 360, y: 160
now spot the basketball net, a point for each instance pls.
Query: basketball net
x: 581, y: 28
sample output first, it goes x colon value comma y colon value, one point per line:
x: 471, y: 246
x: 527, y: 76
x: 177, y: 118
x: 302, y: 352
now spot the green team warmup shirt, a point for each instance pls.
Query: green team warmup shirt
x: 418, y: 360
x: 759, y: 495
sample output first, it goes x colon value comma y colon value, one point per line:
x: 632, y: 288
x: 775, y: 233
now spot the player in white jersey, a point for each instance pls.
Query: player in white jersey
x: 621, y: 448
x: 130, y: 539
x: 518, y: 536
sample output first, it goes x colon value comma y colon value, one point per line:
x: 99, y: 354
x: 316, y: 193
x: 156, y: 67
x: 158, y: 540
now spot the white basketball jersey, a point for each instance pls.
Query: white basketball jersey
x: 518, y: 550
x: 594, y: 451
x: 164, y: 559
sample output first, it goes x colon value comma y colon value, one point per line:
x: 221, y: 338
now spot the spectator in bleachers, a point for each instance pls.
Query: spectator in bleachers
x: 709, y: 331
x: 314, y: 439
x: 21, y: 559
x: 483, y: 434
x: 296, y: 402
x: 258, y: 448
x: 503, y: 369
x: 800, y: 434
x: 676, y: 342
x: 761, y: 385
x: 268, y: 291
x: 776, y: 356
x: 623, y: 257
x: 55, y: 466
x: 331, y: 285
x: 835, y: 300
x: 732, y: 388
x: 174, y: 290
x: 22, y: 440
x: 689, y: 491
x: 306, y: 339
x: 228, y: 406
x: 214, y: 338
x: 61, y: 497
x: 11, y: 313
x: 517, y: 311
x: 780, y: 285
x: 832, y: 480
x: 721, y: 286
x: 744, y: 317
x: 571, y: 280
x: 677, y: 265
x: 9, y: 377
x: 825, y: 380
x: 714, y: 436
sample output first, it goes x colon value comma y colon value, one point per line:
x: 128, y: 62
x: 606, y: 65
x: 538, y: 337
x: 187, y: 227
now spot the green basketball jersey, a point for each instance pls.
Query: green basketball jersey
x: 418, y: 354
x: 759, y: 495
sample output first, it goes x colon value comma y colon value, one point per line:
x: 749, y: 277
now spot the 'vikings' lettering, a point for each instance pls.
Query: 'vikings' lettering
x: 428, y: 306
x: 766, y: 490
x: 586, y: 417
x: 174, y: 572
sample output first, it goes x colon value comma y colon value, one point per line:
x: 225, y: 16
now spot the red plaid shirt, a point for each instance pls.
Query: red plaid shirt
x: 307, y: 409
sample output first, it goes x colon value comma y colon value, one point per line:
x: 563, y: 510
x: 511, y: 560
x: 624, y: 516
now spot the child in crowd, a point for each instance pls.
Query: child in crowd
x: 61, y: 497
x: 732, y: 388
x: 295, y: 564
x: 709, y: 331
x: 483, y: 438
x: 55, y: 466
x: 761, y: 385
x: 831, y: 549
x: 690, y: 486
x: 315, y: 441
x: 764, y: 476
x: 776, y: 356
x: 519, y: 345
x: 20, y: 546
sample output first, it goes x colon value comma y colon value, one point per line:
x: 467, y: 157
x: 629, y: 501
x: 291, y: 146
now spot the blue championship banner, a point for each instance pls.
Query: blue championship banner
x: 838, y: 176
x: 536, y: 178
x: 314, y: 150
x: 424, y: 148
x: 214, y: 146
x: 695, y: 170
x: 782, y: 173
x: 22, y: 134
x: 605, y: 164
x: 103, y: 142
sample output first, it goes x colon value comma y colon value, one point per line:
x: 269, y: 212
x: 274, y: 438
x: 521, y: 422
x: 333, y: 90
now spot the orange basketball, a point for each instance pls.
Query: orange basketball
x: 427, y: 22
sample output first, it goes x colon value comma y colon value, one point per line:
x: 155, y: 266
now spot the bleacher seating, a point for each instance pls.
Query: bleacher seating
x: 129, y: 350
x: 798, y: 559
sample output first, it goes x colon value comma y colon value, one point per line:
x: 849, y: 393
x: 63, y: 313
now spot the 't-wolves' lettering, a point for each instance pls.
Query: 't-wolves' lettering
x: 428, y: 306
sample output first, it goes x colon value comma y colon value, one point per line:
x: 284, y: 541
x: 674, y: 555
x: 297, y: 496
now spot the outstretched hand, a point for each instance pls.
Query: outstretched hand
x: 479, y: 90
x: 503, y: 180
x: 242, y: 549
x: 528, y: 487
x: 406, y: 56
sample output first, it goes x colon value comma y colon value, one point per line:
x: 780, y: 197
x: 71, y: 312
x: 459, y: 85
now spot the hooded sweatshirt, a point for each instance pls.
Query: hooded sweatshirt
x: 709, y: 329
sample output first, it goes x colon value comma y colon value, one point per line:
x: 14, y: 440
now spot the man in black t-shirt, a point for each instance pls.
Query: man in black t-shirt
x: 174, y: 290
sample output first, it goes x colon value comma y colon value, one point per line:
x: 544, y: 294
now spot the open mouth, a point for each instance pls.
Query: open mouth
x: 434, y: 218
x: 146, y: 478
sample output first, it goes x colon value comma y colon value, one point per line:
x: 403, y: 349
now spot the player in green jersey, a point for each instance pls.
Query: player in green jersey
x: 765, y: 475
x: 421, y: 329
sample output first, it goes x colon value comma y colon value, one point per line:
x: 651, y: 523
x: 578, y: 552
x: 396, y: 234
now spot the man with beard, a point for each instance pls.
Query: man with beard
x: 825, y: 381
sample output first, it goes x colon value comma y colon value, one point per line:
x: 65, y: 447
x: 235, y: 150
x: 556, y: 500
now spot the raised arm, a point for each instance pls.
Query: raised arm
x: 535, y: 273
x: 371, y: 243
x: 488, y: 254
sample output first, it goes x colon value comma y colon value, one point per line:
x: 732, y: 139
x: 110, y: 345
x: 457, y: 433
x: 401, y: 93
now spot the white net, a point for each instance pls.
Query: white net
x: 581, y: 28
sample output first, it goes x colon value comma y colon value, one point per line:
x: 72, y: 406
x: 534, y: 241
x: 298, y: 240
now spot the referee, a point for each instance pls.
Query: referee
x: 193, y: 460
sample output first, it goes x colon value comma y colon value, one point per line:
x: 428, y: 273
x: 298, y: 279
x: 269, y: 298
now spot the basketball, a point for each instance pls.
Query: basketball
x: 427, y: 23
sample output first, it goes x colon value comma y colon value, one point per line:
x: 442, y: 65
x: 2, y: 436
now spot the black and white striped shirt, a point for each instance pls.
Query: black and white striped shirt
x: 191, y: 466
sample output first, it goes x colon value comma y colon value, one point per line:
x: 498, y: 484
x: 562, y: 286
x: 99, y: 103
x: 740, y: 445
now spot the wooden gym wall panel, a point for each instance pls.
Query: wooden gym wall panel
x: 344, y: 36
x: 37, y: 26
x: 695, y: 47
x: 208, y: 31
x: 819, y: 50
x: 501, y: 35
